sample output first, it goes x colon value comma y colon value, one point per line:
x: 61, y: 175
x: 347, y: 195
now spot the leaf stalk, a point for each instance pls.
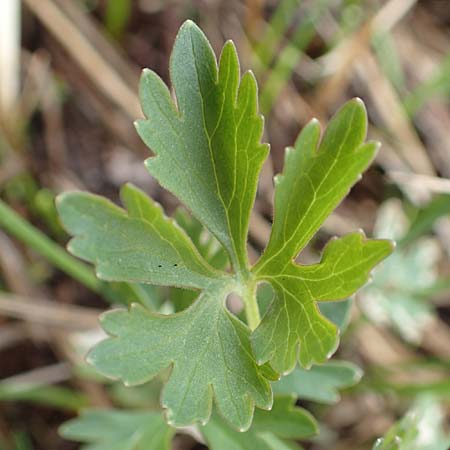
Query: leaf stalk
x: 251, y: 305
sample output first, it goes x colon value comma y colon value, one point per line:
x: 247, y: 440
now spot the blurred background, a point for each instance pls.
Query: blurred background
x: 69, y: 72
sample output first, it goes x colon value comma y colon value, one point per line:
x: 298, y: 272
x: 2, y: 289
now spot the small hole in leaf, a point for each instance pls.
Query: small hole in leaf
x: 234, y: 303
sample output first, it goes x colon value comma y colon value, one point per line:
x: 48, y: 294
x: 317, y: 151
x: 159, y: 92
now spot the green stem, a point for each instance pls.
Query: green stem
x: 38, y: 241
x: 251, y: 306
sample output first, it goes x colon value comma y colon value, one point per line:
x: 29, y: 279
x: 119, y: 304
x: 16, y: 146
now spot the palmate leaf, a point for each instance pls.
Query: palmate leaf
x: 204, y: 344
x: 208, y: 153
x: 208, y: 348
x: 119, y: 430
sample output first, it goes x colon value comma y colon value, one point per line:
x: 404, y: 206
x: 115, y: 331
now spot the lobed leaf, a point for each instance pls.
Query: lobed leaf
x: 208, y: 350
x: 137, y: 245
x: 208, y: 150
x: 208, y: 247
x: 315, y: 180
x: 208, y: 153
x: 293, y: 319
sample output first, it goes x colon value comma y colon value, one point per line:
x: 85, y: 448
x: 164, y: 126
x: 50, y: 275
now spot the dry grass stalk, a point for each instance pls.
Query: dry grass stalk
x: 101, y: 72
x: 48, y: 313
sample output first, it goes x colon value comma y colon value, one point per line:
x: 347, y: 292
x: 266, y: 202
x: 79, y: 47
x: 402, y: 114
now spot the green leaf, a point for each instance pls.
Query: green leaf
x: 119, y: 430
x: 144, y: 229
x: 208, y: 153
x: 320, y: 383
x: 208, y: 150
x: 207, y: 246
x: 293, y: 318
x: 138, y: 245
x: 337, y: 312
x: 316, y: 178
x: 269, y: 429
x: 208, y: 350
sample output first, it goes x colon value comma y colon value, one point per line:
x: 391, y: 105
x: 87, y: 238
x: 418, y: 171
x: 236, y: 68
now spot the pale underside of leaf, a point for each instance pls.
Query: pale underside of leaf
x: 138, y: 245
x: 209, y: 352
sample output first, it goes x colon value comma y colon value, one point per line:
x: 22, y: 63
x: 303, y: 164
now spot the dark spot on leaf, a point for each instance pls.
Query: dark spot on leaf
x: 159, y: 265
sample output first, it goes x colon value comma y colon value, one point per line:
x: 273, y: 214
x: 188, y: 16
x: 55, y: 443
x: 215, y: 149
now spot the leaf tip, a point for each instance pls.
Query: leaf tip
x: 60, y: 198
x: 229, y: 44
x: 170, y: 422
x: 145, y: 75
x: 138, y: 124
x: 314, y: 125
x: 98, y: 272
x: 188, y: 22
x: 357, y: 374
x: 63, y: 197
x: 375, y: 144
x: 358, y: 103
x: 69, y: 247
x: 187, y: 27
x: 91, y: 359
x: 251, y: 75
